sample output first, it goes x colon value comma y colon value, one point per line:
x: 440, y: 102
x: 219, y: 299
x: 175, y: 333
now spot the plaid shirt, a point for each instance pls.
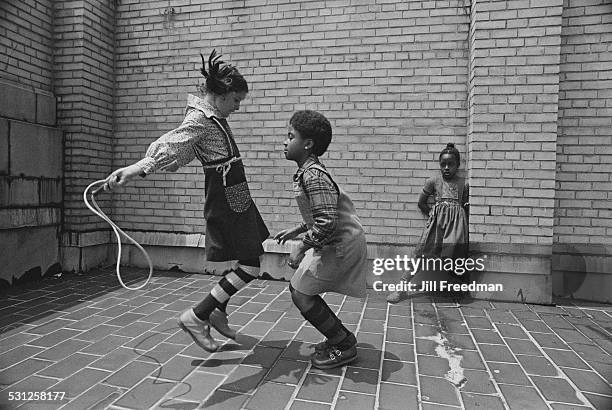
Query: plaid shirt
x: 323, y: 196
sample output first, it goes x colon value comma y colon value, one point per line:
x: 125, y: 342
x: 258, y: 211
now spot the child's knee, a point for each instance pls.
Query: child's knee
x: 302, y: 301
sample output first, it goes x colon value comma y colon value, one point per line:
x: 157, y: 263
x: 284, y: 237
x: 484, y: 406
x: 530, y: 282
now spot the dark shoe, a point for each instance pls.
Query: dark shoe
x: 333, y: 357
x: 218, y: 320
x: 199, y: 330
x: 321, y: 346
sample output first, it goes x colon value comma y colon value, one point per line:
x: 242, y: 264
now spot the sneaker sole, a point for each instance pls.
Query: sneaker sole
x: 195, y: 339
x: 337, y: 364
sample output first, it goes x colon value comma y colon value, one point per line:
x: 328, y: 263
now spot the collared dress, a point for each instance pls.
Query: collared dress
x: 446, y: 230
x: 235, y: 229
x: 337, y: 261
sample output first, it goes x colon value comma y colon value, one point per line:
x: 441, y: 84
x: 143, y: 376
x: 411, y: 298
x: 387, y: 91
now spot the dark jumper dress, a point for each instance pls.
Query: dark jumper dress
x: 235, y: 229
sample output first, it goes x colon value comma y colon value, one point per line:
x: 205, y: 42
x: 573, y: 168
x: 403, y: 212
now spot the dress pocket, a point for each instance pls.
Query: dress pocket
x: 238, y: 197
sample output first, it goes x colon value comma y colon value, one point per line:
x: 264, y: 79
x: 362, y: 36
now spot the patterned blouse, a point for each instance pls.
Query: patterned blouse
x: 196, y: 137
x: 323, y: 197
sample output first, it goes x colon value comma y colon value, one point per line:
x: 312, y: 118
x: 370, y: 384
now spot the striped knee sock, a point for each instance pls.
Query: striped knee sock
x: 227, y: 286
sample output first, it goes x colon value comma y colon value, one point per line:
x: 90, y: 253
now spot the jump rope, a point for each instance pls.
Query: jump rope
x: 93, y: 207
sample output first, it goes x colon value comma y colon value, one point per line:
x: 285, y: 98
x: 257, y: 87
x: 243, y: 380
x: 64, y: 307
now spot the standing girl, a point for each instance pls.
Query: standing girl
x: 234, y: 227
x: 332, y: 255
x: 446, y: 231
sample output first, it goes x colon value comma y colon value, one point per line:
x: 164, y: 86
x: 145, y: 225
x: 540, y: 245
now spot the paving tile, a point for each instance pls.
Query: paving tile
x: 599, y: 402
x: 318, y: 387
x: 115, y: 359
x: 519, y: 346
x: 372, y: 325
x: 145, y: 394
x: 370, y: 340
x: 537, y: 365
x: 255, y: 328
x: 399, y: 351
x: 309, y: 334
x: 379, y: 314
x: 97, y: 333
x: 298, y: 350
x: 62, y: 350
x: 30, y: 384
x: 588, y: 381
x: 508, y: 373
x: 549, y: 340
x: 512, y: 331
x: 18, y: 354
x: 354, y: 401
x: 53, y: 338
x: 473, y: 401
x: 522, y: 398
x: 478, y: 322
x: 556, y: 389
x: 559, y: 406
x: 360, y: 380
x: 132, y: 373
x: 22, y: 370
x: 244, y: 379
x: 535, y: 325
x: 462, y: 342
x: 350, y: 318
x: 472, y: 360
x: 438, y: 390
x: 432, y: 366
x: 425, y: 331
x: 262, y: 356
x: 223, y: 400
x: 395, y: 396
x: 308, y: 405
x: 196, y: 387
x: 177, y: 368
x: 399, y: 335
x: 426, y: 346
x: 286, y: 371
x: 134, y: 329
x: 478, y: 381
x: 571, y: 336
x: 400, y: 309
x: 15, y: 340
x: 50, y: 326
x: 106, y: 345
x: 289, y: 325
x: 161, y: 353
x: 270, y: 396
x: 80, y: 381
x: 368, y: 358
x: 496, y: 353
x: 399, y: 372
x: 98, y: 397
x: 504, y: 317
x: 68, y: 366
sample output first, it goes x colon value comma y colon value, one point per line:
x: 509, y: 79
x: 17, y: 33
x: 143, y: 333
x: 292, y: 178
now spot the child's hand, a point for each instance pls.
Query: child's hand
x: 296, y: 257
x: 121, y: 177
x: 287, y: 234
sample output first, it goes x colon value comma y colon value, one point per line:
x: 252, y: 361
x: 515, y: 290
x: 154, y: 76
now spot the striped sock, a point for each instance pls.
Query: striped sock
x: 222, y: 291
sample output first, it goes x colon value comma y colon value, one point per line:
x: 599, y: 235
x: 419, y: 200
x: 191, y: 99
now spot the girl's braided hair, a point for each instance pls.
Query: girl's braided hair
x: 450, y: 149
x: 222, y: 78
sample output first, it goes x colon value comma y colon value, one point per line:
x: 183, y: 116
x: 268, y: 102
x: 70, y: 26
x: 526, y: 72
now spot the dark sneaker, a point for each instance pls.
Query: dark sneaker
x: 199, y: 330
x: 333, y: 357
x: 218, y: 320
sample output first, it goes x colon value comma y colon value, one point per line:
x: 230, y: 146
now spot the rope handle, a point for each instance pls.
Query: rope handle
x: 96, y: 210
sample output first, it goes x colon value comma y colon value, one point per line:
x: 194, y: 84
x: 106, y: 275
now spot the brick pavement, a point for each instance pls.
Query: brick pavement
x: 106, y: 347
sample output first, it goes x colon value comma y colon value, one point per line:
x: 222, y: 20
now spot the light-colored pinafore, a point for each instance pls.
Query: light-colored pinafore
x: 340, y: 265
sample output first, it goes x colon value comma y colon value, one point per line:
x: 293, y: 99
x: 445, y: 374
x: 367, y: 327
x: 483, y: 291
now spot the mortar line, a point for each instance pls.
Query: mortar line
x: 532, y: 339
x: 416, y: 357
x: 488, y: 370
x: 561, y: 373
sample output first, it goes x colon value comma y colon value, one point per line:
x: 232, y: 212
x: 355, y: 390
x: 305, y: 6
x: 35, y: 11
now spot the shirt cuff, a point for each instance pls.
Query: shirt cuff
x: 148, y: 165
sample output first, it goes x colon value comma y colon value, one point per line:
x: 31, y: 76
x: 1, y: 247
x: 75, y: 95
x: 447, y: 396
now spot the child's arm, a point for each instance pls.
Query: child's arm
x: 323, y: 198
x: 428, y: 190
x: 423, y: 205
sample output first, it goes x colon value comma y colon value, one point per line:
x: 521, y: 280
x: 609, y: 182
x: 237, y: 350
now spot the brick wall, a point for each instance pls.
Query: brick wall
x: 583, y: 219
x: 31, y: 148
x: 391, y: 76
x: 84, y: 84
x: 25, y: 42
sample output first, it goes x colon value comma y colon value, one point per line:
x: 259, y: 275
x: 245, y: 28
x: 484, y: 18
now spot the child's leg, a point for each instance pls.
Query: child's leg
x: 397, y: 296
x: 340, y: 340
x: 197, y: 321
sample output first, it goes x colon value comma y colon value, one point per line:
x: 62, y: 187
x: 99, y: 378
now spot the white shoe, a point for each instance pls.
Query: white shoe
x: 199, y: 330
x: 218, y: 320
